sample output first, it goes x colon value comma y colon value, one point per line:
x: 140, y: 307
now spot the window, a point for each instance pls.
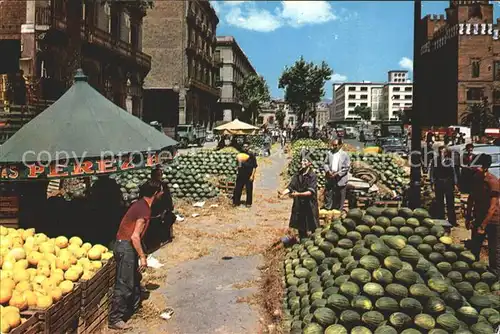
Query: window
x: 496, y: 96
x: 352, y: 89
x: 352, y: 104
x: 364, y: 97
x: 364, y: 104
x: 290, y: 120
x: 352, y: 97
x: 475, y: 68
x: 496, y: 70
x: 364, y: 89
x: 396, y: 97
x: 395, y: 104
x: 396, y: 89
x: 475, y: 94
x: 407, y: 97
x: 408, y: 89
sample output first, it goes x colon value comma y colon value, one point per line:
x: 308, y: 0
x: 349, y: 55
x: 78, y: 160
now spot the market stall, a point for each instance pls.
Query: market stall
x: 81, y: 135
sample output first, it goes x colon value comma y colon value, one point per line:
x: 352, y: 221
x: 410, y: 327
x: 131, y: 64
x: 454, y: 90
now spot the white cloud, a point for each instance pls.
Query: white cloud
x: 215, y: 6
x: 338, y: 78
x: 248, y: 15
x: 406, y: 63
x: 255, y: 19
x: 299, y: 13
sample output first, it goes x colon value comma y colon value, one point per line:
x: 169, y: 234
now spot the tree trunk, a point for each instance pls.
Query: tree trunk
x: 314, y: 118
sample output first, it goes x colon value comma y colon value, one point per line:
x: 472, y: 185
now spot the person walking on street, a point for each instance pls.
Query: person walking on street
x: 128, y: 251
x: 483, y: 212
x: 247, y: 166
x: 336, y: 167
x: 303, y: 188
x: 362, y: 138
x: 444, y: 181
x: 267, y: 144
x: 283, y: 139
x: 466, y: 169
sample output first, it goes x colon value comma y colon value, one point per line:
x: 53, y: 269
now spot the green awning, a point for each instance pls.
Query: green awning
x: 84, y: 124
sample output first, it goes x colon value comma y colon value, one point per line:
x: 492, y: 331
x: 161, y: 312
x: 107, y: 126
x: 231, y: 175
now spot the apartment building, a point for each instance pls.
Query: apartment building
x: 386, y: 99
x: 44, y: 42
x: 397, y: 96
x: 267, y: 115
x: 235, y: 67
x: 322, y: 114
x: 182, y: 87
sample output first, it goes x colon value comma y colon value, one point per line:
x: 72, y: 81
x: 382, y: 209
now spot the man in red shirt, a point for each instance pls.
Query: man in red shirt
x: 483, y: 212
x: 128, y: 252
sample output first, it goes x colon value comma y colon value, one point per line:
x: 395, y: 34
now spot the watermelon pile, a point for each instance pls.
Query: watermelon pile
x: 387, y: 271
x: 187, y: 176
x: 390, y: 173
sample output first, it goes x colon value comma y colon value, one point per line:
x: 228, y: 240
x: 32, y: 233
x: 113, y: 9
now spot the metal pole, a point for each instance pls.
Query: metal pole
x: 416, y: 144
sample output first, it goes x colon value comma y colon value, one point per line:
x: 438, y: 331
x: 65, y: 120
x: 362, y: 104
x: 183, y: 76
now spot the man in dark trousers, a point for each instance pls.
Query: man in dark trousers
x: 466, y: 170
x: 160, y: 230
x: 483, y: 212
x: 336, y: 167
x: 247, y: 166
x: 444, y: 181
x: 128, y: 251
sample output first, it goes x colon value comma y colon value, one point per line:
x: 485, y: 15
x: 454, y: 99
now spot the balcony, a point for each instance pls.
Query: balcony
x: 229, y: 100
x: 104, y: 39
x: 191, y: 82
x: 43, y: 18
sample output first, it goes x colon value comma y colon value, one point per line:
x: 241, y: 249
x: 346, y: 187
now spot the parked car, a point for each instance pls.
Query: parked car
x: 493, y: 150
x: 393, y: 145
x: 190, y: 134
x: 210, y: 137
x: 350, y: 132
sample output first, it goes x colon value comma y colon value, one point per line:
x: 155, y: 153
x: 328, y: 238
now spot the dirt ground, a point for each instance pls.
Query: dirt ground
x: 216, y: 266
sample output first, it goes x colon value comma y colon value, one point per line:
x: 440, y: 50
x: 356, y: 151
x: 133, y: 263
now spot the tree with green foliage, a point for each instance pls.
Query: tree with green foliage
x: 280, y: 116
x: 479, y: 117
x: 404, y: 115
x: 304, y: 86
x: 253, y: 91
x: 364, y: 112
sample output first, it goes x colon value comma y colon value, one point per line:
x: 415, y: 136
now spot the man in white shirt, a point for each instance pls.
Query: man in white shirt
x: 336, y: 166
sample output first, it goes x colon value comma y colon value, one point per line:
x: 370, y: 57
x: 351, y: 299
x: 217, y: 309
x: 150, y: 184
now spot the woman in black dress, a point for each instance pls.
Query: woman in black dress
x: 303, y: 188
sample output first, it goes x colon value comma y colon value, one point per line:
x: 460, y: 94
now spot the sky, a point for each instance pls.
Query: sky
x: 360, y: 40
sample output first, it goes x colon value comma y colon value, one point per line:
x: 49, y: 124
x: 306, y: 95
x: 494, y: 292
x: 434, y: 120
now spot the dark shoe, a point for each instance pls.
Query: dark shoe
x: 248, y: 205
x: 120, y: 325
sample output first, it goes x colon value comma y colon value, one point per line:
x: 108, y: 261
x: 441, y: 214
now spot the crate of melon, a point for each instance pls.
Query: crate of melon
x: 15, y: 322
x: 96, y: 298
x: 62, y: 316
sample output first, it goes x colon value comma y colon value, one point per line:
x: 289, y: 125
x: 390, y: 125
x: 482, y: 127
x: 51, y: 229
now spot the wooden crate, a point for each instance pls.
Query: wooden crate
x: 32, y: 326
x: 388, y: 204
x: 96, y: 298
x: 226, y: 187
x: 62, y: 317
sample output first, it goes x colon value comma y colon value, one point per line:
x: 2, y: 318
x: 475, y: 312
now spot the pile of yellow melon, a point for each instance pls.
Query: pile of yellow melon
x: 37, y: 271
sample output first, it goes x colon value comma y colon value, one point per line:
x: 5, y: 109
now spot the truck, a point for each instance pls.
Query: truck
x: 187, y: 134
x: 391, y: 130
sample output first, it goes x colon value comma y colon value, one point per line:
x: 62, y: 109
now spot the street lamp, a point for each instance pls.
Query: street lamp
x: 176, y: 88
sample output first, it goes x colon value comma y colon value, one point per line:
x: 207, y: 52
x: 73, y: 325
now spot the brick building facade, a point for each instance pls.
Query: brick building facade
x: 459, y: 63
x: 181, y: 87
x: 49, y: 40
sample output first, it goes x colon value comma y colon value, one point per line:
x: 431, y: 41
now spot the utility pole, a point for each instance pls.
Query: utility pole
x: 416, y: 143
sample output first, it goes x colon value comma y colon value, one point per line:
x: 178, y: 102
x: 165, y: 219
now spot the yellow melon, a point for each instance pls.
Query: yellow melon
x: 5, y: 294
x: 101, y: 248
x: 56, y: 294
x: 78, y: 268
x: 86, y: 246
x: 8, y: 309
x: 80, y: 253
x: 12, y: 319
x: 62, y: 242
x: 17, y: 242
x: 17, y: 253
x: 38, y: 279
x: 7, y: 283
x: 4, y: 274
x: 8, y: 264
x: 23, y: 286
x: 21, y: 265
x: 87, y: 275
x: 63, y: 263
x: 43, y: 270
x: 4, y: 325
x: 43, y: 301
x: 1, y: 261
x: 40, y: 238
x: 106, y: 256
x: 47, y: 247
x: 30, y: 232
x: 94, y: 253
x: 76, y: 240
x: 71, y: 275
x: 21, y: 275
x: 48, y: 284
x: 30, y: 298
x: 19, y: 301
x: 96, y: 264
x: 34, y: 257
x: 66, y: 286
x: 3, y: 230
